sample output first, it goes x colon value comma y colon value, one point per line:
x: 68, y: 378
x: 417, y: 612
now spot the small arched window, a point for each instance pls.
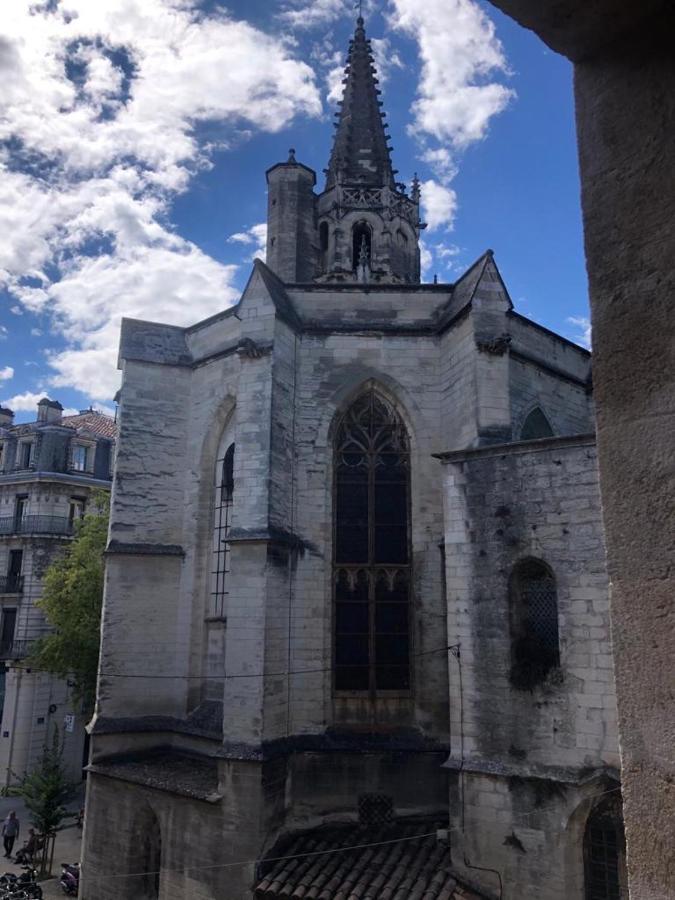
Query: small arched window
x: 224, y: 498
x: 535, y: 649
x: 323, y: 236
x: 227, y: 475
x: 146, y: 853
x: 361, y: 244
x: 604, y: 852
x: 536, y: 425
x: 371, y: 555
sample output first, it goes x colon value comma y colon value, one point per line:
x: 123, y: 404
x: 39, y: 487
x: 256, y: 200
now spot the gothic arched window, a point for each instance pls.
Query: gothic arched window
x: 323, y: 236
x: 604, y: 853
x: 361, y: 244
x: 536, y: 425
x: 224, y: 496
x: 371, y: 549
x: 535, y: 649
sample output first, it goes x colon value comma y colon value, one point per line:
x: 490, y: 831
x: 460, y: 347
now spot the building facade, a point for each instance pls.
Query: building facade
x: 48, y: 469
x: 355, y: 628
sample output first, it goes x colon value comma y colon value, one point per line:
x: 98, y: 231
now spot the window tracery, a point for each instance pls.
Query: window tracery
x: 371, y: 549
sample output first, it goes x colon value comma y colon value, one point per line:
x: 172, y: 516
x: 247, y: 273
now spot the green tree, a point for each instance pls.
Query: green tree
x: 71, y: 600
x: 46, y: 790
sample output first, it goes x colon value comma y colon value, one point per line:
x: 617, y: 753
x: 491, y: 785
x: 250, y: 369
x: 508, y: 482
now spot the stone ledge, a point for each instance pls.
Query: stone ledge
x: 184, y: 774
x: 125, y: 548
x: 506, y: 769
x: 514, y: 447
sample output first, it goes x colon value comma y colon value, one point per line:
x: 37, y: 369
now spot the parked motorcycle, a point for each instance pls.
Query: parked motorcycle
x: 20, y: 887
x: 70, y: 878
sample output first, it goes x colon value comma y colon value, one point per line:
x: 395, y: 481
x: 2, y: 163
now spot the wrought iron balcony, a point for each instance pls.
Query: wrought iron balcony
x: 11, y: 584
x: 15, y: 649
x: 55, y: 525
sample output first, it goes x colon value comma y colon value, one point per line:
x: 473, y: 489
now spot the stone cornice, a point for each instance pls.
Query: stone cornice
x: 515, y: 447
x: 126, y: 548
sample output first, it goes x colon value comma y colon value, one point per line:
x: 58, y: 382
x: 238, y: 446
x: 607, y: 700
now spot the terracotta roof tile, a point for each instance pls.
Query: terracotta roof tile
x: 400, y: 861
x: 98, y: 423
x: 89, y: 421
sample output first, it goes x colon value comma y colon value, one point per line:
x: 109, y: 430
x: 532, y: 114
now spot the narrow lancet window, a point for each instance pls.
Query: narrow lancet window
x: 535, y: 649
x: 371, y: 549
x: 604, y: 853
x: 224, y: 498
x: 361, y: 246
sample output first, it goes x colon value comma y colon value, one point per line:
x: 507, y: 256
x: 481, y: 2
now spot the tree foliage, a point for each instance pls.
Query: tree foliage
x: 46, y: 790
x: 71, y: 600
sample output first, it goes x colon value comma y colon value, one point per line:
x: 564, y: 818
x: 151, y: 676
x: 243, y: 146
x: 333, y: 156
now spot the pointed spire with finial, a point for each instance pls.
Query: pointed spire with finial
x: 360, y: 153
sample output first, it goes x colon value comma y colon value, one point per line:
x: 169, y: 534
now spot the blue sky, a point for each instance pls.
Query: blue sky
x: 134, y: 138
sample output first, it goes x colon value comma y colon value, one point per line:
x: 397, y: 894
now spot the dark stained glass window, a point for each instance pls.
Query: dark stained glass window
x: 221, y: 530
x: 371, y: 552
x: 535, y: 649
x: 604, y: 853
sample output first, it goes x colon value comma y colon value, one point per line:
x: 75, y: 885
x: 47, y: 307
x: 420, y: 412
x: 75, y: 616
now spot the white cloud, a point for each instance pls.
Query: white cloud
x: 302, y: 14
x: 16, y: 310
x: 459, y: 51
x: 101, y: 106
x: 3, y: 332
x: 439, y: 204
x: 426, y: 260
x: 386, y: 58
x: 256, y: 236
x: 26, y: 402
x: 582, y: 334
x: 6, y: 373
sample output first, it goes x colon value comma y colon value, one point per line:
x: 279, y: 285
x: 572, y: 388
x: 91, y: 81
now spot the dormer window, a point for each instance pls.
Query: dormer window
x: 79, y: 458
x: 24, y: 455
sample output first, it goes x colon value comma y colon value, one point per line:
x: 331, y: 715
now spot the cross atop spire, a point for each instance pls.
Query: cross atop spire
x: 360, y: 153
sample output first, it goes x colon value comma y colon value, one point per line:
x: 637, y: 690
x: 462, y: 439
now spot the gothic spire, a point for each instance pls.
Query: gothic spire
x: 360, y: 153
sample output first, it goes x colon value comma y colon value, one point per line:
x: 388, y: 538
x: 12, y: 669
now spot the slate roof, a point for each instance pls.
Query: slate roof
x: 399, y: 864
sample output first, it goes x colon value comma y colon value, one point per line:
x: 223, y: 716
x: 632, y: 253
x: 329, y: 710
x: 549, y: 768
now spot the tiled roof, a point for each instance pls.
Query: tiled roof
x: 94, y: 422
x: 99, y: 423
x: 399, y: 861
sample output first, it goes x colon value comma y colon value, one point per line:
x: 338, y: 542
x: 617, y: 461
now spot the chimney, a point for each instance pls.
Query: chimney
x: 49, y: 410
x: 6, y: 417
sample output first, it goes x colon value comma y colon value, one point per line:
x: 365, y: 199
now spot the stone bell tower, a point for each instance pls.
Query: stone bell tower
x: 364, y: 227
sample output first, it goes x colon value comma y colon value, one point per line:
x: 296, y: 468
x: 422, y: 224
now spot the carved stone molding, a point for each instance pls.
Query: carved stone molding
x: 249, y: 349
x: 496, y: 346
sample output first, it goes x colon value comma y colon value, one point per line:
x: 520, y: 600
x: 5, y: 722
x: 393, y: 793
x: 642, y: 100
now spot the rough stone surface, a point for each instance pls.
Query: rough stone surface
x: 557, y: 742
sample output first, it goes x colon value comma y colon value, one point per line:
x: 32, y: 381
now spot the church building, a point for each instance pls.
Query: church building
x: 355, y: 629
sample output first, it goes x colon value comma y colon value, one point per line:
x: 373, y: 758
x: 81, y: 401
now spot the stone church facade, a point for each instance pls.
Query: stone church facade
x: 355, y: 628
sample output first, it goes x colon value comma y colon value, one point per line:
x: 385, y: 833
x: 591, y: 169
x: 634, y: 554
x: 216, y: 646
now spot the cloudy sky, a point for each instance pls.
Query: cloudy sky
x: 134, y: 137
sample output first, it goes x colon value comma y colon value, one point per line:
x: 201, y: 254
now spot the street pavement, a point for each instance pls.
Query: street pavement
x: 66, y: 847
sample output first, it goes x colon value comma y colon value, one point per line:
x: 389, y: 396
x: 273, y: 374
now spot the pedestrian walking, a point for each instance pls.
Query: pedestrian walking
x: 10, y: 832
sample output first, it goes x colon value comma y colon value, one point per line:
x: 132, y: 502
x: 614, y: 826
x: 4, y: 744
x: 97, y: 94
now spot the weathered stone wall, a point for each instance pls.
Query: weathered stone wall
x: 504, y: 504
x: 208, y: 846
x: 278, y: 377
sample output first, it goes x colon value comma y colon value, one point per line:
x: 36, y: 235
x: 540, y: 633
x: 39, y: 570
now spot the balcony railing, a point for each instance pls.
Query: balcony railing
x: 60, y: 525
x: 15, y: 649
x: 11, y: 584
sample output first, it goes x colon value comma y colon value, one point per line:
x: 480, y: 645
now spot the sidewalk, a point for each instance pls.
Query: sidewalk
x: 67, y: 845
x: 66, y: 849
